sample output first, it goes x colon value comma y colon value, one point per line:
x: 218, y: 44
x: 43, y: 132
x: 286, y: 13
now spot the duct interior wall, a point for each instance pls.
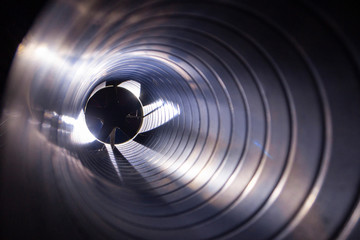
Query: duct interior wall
x: 250, y: 127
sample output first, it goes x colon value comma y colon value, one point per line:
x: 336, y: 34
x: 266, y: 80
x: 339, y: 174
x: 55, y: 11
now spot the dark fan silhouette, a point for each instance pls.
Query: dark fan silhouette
x: 114, y: 115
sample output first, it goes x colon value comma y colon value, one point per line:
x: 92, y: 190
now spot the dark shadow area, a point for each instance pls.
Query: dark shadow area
x: 16, y: 18
x: 114, y: 115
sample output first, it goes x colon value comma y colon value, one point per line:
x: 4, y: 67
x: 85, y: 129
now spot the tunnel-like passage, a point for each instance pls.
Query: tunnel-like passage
x: 227, y: 119
x: 114, y: 115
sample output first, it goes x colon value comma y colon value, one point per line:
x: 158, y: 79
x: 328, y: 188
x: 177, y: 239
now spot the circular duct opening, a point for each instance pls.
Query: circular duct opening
x: 114, y: 115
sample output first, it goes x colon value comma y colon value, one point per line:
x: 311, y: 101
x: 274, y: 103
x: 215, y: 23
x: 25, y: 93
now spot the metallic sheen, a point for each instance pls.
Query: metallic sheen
x: 251, y: 123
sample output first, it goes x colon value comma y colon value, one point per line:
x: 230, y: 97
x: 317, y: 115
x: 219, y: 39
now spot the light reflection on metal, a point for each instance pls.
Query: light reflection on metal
x: 152, y: 106
x: 113, y: 160
x: 158, y: 113
x: 262, y: 149
x: 80, y: 133
x: 132, y: 86
x: 243, y: 120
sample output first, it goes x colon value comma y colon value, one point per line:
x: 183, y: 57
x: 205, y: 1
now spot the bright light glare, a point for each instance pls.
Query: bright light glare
x: 132, y: 86
x: 157, y: 114
x: 151, y: 107
x: 80, y: 134
x: 68, y: 120
x: 113, y: 160
x: 44, y: 54
x: 61, y: 60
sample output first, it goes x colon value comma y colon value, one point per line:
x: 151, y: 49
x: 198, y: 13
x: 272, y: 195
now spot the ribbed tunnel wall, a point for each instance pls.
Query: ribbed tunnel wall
x: 253, y: 131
